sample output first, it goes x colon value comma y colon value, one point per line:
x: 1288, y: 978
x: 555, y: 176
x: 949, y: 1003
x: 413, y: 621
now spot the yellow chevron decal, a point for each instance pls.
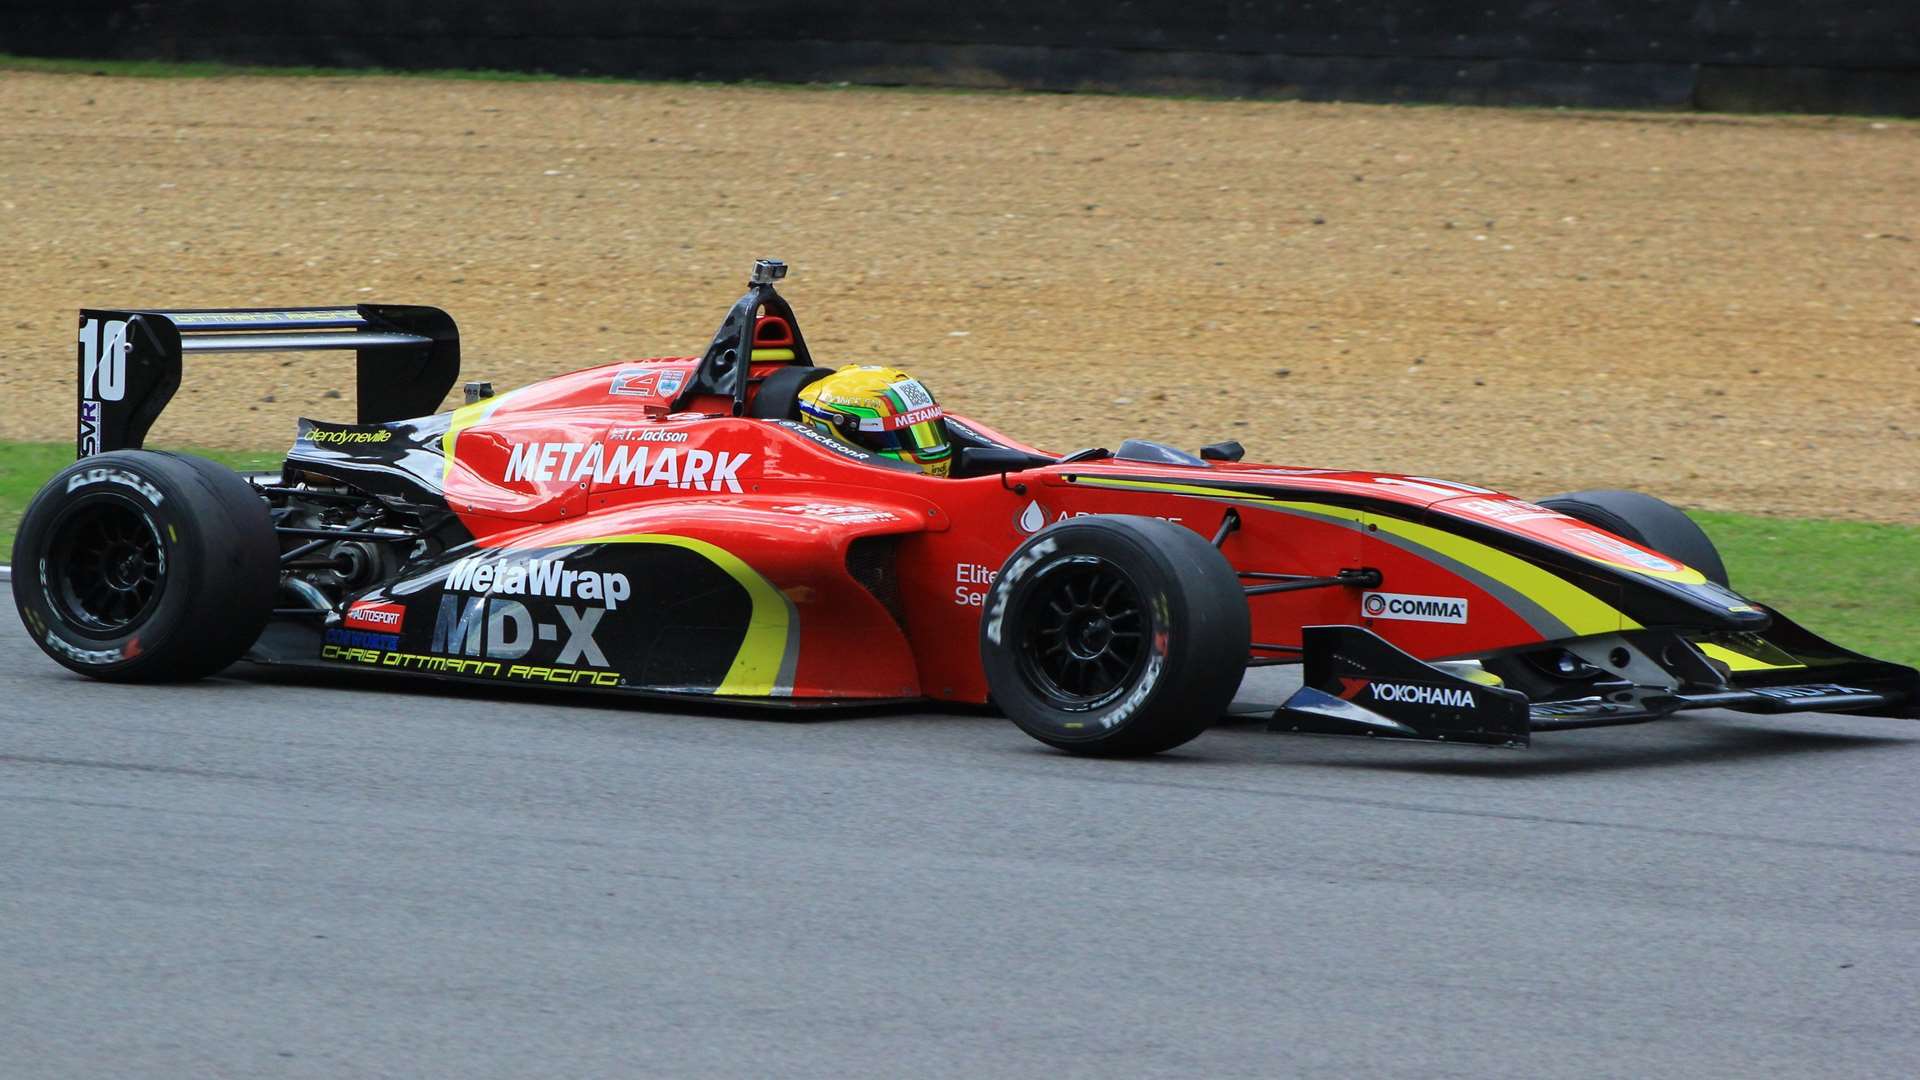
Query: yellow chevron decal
x: 1581, y: 611
x: 764, y: 652
x: 463, y: 418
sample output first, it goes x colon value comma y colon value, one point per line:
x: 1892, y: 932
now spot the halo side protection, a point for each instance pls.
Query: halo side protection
x: 882, y: 410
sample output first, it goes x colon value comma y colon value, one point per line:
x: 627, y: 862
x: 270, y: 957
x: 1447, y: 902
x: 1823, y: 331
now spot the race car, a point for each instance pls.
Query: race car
x: 708, y: 527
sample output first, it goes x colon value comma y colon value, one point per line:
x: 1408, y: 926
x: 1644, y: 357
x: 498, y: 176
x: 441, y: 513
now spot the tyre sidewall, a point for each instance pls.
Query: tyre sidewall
x: 1647, y: 521
x: 155, y: 488
x: 1169, y: 625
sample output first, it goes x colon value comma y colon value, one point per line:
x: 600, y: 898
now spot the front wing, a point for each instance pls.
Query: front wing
x: 1355, y: 683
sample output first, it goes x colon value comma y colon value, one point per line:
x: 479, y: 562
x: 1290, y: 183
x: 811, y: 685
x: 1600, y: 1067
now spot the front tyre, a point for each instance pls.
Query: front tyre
x: 1115, y: 636
x: 1646, y: 521
x: 139, y: 566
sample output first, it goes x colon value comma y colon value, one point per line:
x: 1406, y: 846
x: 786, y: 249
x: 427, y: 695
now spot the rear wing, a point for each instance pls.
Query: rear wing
x: 130, y: 361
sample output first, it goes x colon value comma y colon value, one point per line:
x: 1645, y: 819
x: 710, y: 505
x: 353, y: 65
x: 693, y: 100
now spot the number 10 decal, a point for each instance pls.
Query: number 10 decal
x: 103, y: 360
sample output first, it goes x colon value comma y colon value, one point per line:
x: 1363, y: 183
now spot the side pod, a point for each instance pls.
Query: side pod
x: 1355, y: 683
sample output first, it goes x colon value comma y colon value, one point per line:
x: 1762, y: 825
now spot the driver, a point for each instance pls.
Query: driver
x: 881, y: 410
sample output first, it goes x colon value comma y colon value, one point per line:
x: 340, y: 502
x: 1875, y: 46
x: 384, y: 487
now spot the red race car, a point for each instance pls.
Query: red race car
x: 747, y: 527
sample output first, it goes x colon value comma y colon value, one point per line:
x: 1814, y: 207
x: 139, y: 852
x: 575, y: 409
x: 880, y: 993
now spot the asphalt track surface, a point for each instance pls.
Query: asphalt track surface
x: 271, y: 876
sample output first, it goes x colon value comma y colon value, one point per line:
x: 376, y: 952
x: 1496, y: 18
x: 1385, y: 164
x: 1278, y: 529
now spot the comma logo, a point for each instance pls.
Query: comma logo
x: 1412, y: 608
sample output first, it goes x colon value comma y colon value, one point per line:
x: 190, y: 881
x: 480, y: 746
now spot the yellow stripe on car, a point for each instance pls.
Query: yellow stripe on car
x: 1739, y: 661
x: 764, y: 652
x: 1582, y: 612
x: 463, y: 418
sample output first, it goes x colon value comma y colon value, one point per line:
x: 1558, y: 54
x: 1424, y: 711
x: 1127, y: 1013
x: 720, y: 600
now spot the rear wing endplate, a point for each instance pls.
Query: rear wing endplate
x: 130, y: 361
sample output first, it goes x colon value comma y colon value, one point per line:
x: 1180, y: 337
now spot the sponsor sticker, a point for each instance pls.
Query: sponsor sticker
x: 507, y: 630
x: 1808, y: 690
x: 1411, y: 607
x: 1620, y: 549
x: 388, y: 618
x: 645, y: 383
x: 628, y: 466
x: 455, y: 665
x: 1034, y: 517
x: 361, y: 639
x: 1506, y: 511
x: 1420, y: 694
x: 901, y: 420
x: 848, y: 515
x: 914, y: 394
x: 89, y: 427
x: 968, y: 575
x: 549, y: 578
x: 635, y: 384
x: 341, y: 436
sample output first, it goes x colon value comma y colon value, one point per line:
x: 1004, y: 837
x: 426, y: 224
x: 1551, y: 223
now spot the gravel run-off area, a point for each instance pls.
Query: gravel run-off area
x: 1721, y: 310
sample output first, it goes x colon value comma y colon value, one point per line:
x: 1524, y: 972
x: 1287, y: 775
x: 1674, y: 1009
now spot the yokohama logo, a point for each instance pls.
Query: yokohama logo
x: 1441, y: 609
x: 387, y: 617
x: 1415, y: 694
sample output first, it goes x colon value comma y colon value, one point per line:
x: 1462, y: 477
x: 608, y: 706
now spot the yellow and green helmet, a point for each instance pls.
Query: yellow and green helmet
x: 881, y: 410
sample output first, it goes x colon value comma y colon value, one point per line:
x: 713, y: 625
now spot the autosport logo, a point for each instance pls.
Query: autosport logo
x: 388, y: 618
x: 1410, y: 607
x: 627, y: 466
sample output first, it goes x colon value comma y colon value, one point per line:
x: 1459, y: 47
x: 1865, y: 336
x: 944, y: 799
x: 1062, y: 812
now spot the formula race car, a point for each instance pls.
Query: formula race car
x: 671, y: 528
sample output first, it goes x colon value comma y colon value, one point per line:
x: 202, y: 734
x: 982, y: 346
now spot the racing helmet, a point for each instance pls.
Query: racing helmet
x: 881, y: 410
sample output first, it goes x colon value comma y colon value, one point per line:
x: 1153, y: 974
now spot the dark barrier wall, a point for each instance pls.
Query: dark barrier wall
x: 1813, y: 55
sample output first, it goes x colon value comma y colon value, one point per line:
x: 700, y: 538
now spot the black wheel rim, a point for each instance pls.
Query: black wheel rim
x: 105, y: 566
x: 1084, y: 638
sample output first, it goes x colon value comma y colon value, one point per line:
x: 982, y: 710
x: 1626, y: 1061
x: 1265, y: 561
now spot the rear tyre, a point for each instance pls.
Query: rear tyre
x: 1646, y: 521
x: 139, y: 566
x: 1115, y: 636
